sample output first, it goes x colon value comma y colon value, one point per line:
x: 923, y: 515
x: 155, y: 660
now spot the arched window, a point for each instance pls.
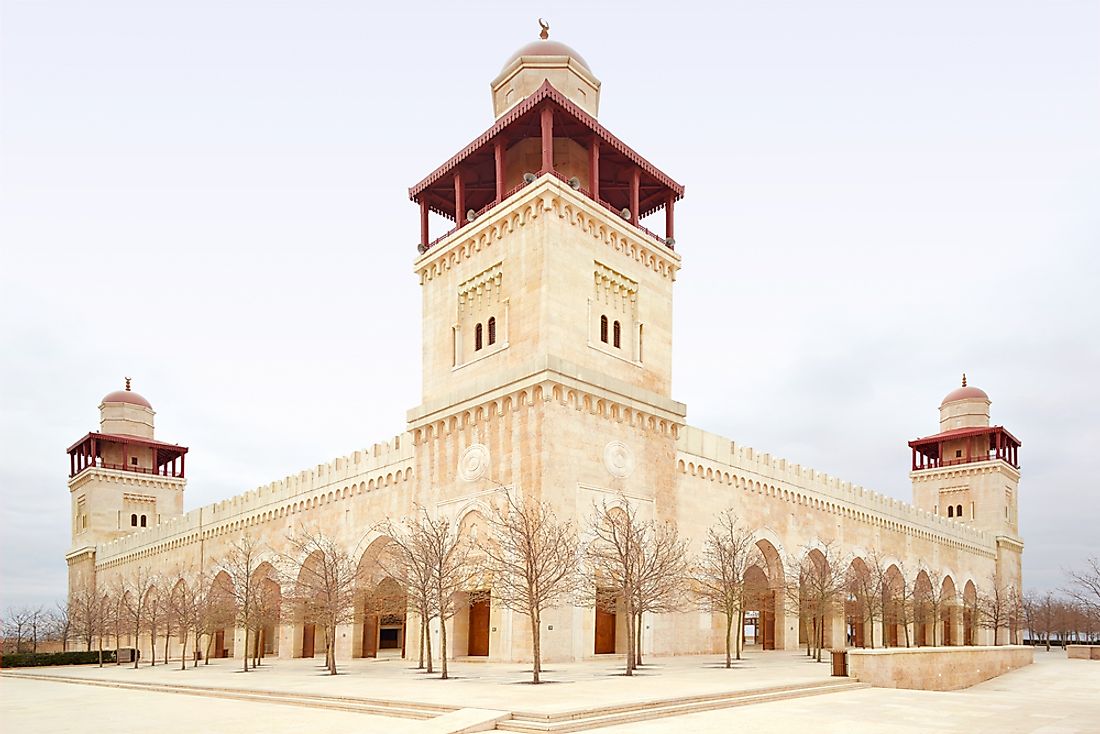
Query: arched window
x: 958, y: 510
x: 950, y: 511
x: 603, y: 329
x: 133, y: 520
x: 143, y: 521
x: 617, y: 335
x: 492, y: 329
x: 477, y: 337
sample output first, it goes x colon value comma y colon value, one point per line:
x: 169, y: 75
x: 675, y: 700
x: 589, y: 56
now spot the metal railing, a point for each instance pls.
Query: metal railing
x: 160, y: 471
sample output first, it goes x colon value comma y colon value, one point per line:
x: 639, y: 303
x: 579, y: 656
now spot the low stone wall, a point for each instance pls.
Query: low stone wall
x: 935, y: 668
x: 1083, y: 652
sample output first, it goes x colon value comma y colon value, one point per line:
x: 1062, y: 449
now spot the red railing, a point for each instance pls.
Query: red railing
x: 939, y: 463
x: 160, y: 472
x: 514, y: 189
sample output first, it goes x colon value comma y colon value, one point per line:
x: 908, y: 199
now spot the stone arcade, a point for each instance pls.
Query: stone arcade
x: 547, y: 345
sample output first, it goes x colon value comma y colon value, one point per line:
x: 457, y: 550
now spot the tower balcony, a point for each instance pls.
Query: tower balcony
x: 965, y: 446
x: 119, y: 452
x: 546, y: 133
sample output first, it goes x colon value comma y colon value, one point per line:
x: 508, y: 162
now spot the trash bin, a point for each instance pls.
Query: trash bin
x: 840, y: 662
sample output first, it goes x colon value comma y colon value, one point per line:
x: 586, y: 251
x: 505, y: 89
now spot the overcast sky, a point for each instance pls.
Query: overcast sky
x: 211, y: 197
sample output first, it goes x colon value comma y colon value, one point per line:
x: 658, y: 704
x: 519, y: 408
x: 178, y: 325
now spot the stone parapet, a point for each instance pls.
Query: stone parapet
x: 1083, y: 652
x: 699, y: 450
x: 935, y: 668
x: 367, y: 465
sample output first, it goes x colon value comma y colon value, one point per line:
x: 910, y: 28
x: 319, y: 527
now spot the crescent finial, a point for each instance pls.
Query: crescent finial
x: 545, y: 32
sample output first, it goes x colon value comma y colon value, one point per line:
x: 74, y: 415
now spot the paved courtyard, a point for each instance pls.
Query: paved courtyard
x: 1054, y: 695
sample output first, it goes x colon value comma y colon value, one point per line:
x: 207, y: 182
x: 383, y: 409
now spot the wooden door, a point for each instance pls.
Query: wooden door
x: 309, y: 640
x: 606, y: 621
x: 219, y: 644
x: 768, y: 616
x: 857, y: 634
x: 478, y: 640
x: 370, y: 636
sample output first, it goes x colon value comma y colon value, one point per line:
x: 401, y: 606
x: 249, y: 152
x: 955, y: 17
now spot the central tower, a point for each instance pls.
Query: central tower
x: 547, y: 312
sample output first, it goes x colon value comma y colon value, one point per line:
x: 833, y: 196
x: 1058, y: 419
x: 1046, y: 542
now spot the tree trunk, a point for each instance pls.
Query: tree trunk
x: 428, y: 642
x: 332, y: 649
x: 245, y: 651
x: 442, y: 645
x: 153, y: 645
x: 209, y: 646
x: 183, y: 653
x: 167, y: 639
x: 729, y: 625
x: 423, y: 633
x: 536, y: 646
x: 737, y: 641
x: 629, y: 639
x: 638, y: 641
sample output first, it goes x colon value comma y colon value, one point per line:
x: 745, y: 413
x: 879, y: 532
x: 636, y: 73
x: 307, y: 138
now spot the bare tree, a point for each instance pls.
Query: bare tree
x: 61, y: 624
x: 719, y: 575
x: 1084, y: 588
x: 240, y: 564
x: 17, y: 624
x: 932, y: 600
x: 819, y: 589
x: 406, y: 560
x: 327, y: 576
x: 995, y: 606
x: 532, y: 558
x: 662, y: 580
x: 138, y: 598
x: 454, y: 569
x: 645, y: 562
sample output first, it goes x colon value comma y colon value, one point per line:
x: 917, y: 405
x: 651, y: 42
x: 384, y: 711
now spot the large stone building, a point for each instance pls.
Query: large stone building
x: 547, y: 350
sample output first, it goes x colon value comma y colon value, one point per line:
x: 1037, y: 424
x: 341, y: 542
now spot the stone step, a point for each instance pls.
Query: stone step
x: 378, y: 707
x: 642, y: 711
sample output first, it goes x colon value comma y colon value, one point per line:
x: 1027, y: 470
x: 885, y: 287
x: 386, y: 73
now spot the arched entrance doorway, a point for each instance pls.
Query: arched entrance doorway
x: 970, y: 614
x: 267, y: 611
x: 857, y: 605
x: 924, y: 626
x: 381, y: 605
x: 949, y: 603
x: 223, y: 616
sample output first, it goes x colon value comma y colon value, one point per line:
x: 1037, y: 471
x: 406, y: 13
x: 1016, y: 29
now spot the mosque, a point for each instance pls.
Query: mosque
x: 547, y: 353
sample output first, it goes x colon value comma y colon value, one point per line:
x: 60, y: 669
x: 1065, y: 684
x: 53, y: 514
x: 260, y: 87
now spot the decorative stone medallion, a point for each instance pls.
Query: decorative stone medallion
x: 474, y: 463
x: 619, y: 459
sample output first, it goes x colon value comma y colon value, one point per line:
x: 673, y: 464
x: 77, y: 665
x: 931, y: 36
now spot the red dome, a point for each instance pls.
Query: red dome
x: 126, y: 396
x: 547, y: 48
x: 965, y: 393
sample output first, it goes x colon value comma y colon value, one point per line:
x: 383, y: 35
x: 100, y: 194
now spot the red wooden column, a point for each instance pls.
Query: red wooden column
x: 460, y: 199
x: 423, y: 222
x: 914, y: 459
x: 183, y: 459
x: 998, y: 434
x: 498, y: 163
x: 72, y: 466
x: 547, y: 121
x: 594, y: 168
x: 670, y: 219
x: 635, y: 190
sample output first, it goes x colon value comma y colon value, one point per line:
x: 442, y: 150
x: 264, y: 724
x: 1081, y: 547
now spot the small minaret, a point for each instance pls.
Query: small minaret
x: 121, y: 479
x: 970, y: 472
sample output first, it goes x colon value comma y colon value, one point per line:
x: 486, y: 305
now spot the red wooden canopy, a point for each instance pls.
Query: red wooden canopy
x: 473, y: 179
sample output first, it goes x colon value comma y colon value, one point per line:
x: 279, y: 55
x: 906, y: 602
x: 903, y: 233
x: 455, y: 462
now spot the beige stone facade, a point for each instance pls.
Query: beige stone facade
x: 547, y: 328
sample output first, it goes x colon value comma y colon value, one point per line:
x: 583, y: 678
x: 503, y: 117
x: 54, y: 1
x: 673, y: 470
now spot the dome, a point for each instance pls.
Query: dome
x: 126, y: 396
x: 547, y: 48
x: 965, y: 393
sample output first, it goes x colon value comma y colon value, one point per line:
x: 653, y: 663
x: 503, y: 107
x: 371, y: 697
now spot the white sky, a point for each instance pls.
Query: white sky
x: 211, y: 197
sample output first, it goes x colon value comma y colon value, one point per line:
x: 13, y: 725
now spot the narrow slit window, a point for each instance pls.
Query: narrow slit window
x: 617, y: 335
x: 143, y: 521
x: 493, y: 330
x: 603, y: 329
x: 477, y: 337
x: 950, y: 511
x: 959, y: 510
x: 133, y: 520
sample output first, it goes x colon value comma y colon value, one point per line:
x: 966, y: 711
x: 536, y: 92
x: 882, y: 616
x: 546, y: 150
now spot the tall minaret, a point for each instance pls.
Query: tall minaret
x: 547, y: 313
x: 120, y: 479
x: 970, y: 472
